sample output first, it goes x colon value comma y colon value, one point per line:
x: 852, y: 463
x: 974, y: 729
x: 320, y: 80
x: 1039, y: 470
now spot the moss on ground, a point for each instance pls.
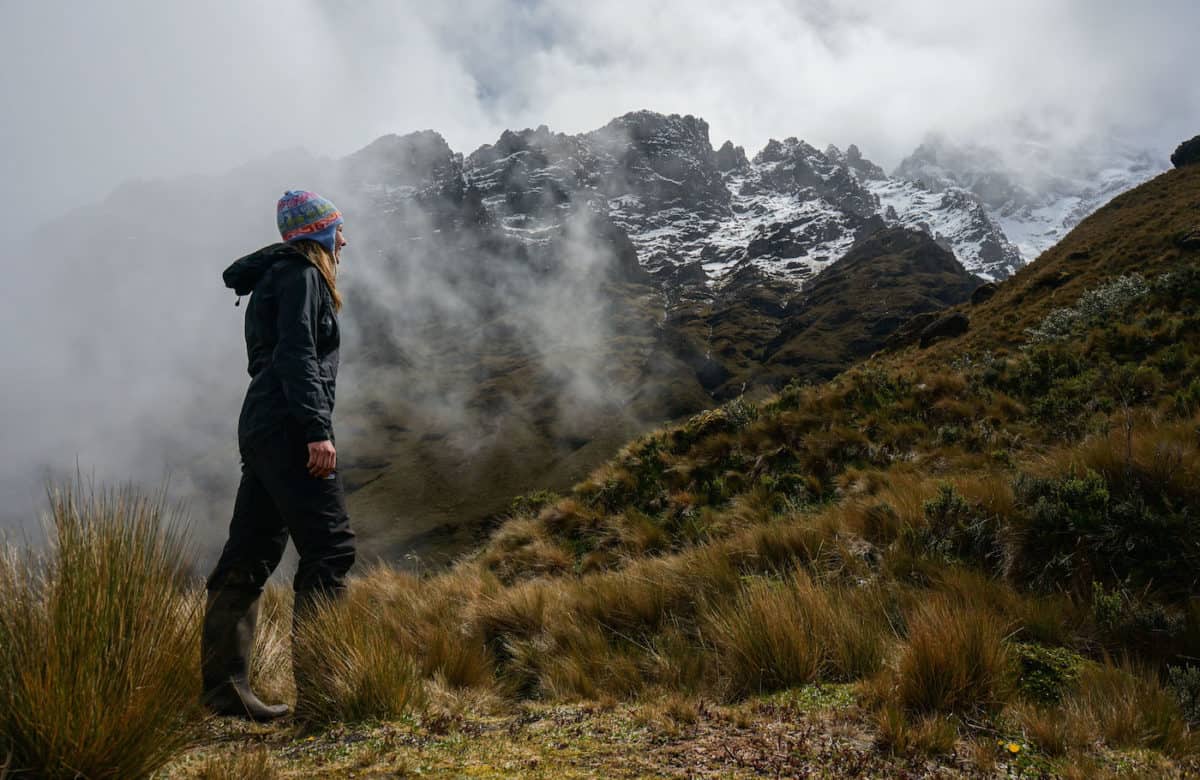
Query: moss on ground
x: 812, y: 731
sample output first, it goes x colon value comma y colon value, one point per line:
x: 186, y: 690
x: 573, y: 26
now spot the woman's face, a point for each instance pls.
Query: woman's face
x: 339, y: 241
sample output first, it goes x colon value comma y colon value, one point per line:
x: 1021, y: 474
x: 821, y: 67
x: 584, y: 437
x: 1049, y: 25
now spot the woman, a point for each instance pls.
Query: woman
x: 290, y: 484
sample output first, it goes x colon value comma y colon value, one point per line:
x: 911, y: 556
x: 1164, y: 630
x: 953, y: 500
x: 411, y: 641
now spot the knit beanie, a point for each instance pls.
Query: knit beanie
x: 302, y: 214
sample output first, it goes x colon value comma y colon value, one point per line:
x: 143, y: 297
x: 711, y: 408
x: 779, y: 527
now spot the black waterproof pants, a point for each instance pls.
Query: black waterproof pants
x: 277, y: 498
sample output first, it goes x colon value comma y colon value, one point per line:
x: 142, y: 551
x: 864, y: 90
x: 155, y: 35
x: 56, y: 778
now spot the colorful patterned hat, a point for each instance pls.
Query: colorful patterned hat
x: 302, y: 214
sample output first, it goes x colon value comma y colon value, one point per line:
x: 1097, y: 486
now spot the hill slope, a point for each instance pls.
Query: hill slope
x: 925, y: 566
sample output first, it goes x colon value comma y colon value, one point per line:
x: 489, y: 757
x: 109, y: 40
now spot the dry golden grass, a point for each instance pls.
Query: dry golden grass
x: 781, y: 633
x: 899, y: 734
x: 1049, y: 730
x: 349, y: 665
x: 955, y: 660
x: 981, y: 753
x: 521, y: 550
x: 252, y: 764
x: 1127, y: 707
x: 1150, y: 456
x: 745, y: 550
x: 271, y: 664
x: 98, y: 641
x: 770, y: 637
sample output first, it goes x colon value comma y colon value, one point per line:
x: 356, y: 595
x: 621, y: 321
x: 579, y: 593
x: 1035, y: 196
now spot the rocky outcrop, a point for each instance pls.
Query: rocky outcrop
x: 1187, y: 153
x: 984, y: 292
x: 731, y: 158
x: 1189, y: 240
x: 946, y: 326
x: 698, y: 216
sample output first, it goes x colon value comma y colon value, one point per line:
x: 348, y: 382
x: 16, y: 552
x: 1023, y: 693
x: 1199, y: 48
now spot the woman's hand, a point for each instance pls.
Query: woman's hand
x: 322, y: 458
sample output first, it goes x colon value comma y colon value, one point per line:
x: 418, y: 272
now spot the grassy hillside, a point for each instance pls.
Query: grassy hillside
x: 760, y: 332
x: 974, y: 558
x: 434, y: 487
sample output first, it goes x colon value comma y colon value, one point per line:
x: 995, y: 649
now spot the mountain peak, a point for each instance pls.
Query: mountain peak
x: 731, y: 158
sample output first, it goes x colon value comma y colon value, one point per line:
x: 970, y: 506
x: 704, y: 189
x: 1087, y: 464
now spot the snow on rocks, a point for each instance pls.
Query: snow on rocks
x: 698, y: 216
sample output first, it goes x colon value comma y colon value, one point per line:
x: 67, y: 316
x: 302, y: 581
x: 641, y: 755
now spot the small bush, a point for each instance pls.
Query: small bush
x: 958, y: 530
x: 1187, y: 153
x: 1184, y: 682
x: 532, y: 503
x: 1059, y: 516
x: 1046, y: 673
x: 1092, y: 308
x: 1114, y: 508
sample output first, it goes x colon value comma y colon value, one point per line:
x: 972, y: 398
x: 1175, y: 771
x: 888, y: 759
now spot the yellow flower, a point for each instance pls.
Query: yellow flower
x: 1014, y: 748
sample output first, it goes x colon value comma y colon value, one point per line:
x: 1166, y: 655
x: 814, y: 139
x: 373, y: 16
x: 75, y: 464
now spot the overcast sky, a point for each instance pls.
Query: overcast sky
x: 99, y: 92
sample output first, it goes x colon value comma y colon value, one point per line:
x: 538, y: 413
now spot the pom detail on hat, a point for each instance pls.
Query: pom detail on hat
x: 302, y: 214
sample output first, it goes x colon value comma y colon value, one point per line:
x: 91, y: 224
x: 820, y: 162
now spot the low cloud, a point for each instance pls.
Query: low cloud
x: 98, y: 94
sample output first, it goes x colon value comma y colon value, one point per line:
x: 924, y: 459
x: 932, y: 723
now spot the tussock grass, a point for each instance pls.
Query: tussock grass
x: 1128, y: 707
x: 770, y: 637
x: 900, y: 734
x: 955, y: 660
x: 1046, y: 727
x: 99, y: 640
x: 348, y: 667
x: 521, y: 550
x: 1145, y: 456
x: 271, y: 664
x: 778, y: 634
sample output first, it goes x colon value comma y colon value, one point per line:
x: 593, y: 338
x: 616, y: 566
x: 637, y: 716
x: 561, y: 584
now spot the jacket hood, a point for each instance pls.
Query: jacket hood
x: 245, y: 272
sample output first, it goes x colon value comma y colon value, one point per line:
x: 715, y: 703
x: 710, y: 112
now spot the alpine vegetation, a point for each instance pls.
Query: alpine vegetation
x: 98, y: 640
x: 1091, y: 309
x: 972, y: 554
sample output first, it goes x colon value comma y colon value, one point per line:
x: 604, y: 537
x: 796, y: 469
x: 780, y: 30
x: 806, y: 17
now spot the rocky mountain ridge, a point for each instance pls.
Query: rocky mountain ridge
x: 696, y: 215
x: 1034, y: 195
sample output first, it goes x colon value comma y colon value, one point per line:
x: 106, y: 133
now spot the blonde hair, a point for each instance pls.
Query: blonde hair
x: 323, y: 260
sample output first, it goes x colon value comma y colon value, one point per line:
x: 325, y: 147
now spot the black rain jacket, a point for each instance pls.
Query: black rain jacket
x: 292, y: 341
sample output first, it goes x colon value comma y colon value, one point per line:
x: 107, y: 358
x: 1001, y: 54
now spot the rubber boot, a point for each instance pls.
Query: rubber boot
x: 226, y: 646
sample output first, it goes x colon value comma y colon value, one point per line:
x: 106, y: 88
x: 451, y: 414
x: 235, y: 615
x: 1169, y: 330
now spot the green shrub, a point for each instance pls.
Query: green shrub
x: 1184, y: 682
x: 1057, y: 518
x: 1093, y: 307
x: 532, y: 503
x: 1128, y: 527
x: 1046, y: 673
x: 956, y: 530
x: 1187, y: 400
